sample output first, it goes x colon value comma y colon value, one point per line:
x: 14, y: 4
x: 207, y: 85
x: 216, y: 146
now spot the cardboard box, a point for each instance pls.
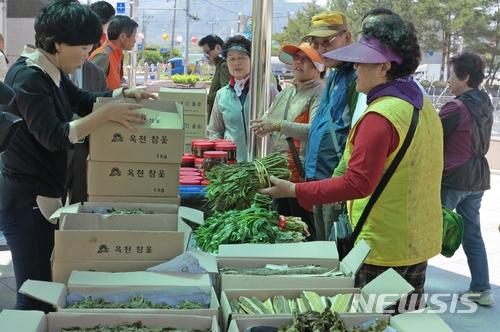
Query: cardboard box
x: 416, y: 321
x: 389, y: 284
x: 320, y: 253
x: 136, y: 199
x: 159, y: 140
x: 37, y: 321
x: 195, y: 126
x: 113, y: 178
x: 194, y: 101
x: 115, y: 286
x: 118, y: 243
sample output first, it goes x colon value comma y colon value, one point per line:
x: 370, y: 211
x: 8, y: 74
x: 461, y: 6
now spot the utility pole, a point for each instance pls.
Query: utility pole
x: 186, y: 49
x: 172, y: 40
x: 213, y: 23
x: 132, y: 55
x: 145, y: 24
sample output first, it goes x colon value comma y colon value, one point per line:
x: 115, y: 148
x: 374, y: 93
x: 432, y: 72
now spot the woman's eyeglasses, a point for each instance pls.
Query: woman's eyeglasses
x: 325, y: 43
x: 297, y: 57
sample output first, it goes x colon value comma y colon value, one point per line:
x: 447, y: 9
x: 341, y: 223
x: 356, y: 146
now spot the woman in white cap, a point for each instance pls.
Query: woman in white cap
x: 229, y: 118
x: 289, y: 118
x: 403, y: 227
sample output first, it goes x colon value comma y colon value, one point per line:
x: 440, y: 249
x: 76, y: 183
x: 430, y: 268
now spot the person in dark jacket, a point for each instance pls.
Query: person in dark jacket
x: 467, y: 121
x: 34, y: 167
x: 212, y: 46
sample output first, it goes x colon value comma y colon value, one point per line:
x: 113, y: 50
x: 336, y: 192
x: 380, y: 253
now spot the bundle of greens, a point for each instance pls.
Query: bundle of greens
x: 327, y: 321
x: 252, y: 225
x: 136, y: 302
x: 234, y: 186
x: 135, y: 327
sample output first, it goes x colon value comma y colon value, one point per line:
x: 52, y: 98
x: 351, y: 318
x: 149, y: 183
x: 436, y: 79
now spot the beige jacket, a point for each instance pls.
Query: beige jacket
x: 298, y: 98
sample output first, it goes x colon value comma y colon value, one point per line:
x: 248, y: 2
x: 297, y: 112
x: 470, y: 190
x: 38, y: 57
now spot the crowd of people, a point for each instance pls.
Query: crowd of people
x: 341, y: 136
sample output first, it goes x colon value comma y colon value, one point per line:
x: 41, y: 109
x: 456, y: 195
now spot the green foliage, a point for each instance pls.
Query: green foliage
x: 186, y: 79
x: 156, y: 56
x: 298, y: 27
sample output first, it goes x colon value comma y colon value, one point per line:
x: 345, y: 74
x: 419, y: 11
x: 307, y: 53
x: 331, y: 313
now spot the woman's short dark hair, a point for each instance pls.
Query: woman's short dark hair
x: 104, y: 10
x: 121, y: 24
x: 240, y: 40
x: 398, y: 34
x: 468, y: 63
x: 66, y: 21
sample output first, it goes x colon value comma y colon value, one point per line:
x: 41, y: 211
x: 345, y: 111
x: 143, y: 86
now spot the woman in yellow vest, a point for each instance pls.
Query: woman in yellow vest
x: 404, y: 227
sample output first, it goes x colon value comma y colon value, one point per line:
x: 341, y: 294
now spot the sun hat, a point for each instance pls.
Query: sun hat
x: 288, y: 51
x: 365, y: 51
x: 326, y: 24
x: 234, y: 48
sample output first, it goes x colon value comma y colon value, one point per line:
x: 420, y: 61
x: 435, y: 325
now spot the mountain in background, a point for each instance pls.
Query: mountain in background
x: 208, y: 16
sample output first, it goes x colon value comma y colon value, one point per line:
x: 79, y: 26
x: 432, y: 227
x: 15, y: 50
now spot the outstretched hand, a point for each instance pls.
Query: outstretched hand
x: 139, y: 94
x: 263, y: 126
x: 280, y: 188
x: 124, y: 113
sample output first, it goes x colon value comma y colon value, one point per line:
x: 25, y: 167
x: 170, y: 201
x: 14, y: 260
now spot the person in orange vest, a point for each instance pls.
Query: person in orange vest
x: 109, y: 56
x: 106, y: 12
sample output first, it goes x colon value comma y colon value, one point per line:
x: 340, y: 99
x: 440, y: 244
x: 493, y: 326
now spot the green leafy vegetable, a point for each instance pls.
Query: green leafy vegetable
x: 234, y: 186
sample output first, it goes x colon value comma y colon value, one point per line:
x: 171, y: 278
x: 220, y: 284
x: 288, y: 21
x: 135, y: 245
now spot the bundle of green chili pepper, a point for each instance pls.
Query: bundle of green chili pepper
x: 252, y: 225
x: 234, y: 186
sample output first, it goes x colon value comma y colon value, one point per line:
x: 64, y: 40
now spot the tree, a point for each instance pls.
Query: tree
x: 299, y: 26
x: 446, y: 21
x: 484, y: 38
x: 355, y: 10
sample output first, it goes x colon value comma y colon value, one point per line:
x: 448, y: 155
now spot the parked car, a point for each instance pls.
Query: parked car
x: 281, y: 69
x: 194, y: 65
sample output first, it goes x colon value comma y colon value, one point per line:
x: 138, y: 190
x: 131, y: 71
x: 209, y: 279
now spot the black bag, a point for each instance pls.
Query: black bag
x: 348, y: 243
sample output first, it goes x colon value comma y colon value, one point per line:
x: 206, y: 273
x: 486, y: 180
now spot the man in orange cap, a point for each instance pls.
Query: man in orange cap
x: 330, y: 127
x: 289, y: 118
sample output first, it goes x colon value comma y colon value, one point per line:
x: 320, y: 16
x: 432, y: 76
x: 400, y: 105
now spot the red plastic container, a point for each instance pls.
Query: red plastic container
x: 189, y: 181
x: 213, y: 158
x: 199, y: 147
x: 187, y: 160
x: 198, y: 163
x: 230, y: 148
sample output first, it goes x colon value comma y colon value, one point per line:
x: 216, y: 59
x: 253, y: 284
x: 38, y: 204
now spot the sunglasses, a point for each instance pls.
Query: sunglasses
x: 207, y: 53
x: 325, y: 43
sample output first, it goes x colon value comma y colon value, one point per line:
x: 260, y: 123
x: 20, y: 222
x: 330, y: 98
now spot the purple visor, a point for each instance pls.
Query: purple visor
x: 365, y: 51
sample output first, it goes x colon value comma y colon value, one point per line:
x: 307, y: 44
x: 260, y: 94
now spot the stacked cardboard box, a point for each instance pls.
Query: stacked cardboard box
x: 138, y: 167
x: 194, y: 102
x: 37, y: 321
x: 119, y: 242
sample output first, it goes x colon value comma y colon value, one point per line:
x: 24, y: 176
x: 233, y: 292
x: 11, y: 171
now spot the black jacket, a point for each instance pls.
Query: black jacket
x: 474, y: 174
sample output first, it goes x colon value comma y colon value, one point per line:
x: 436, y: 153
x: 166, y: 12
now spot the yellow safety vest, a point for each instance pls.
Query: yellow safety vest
x: 405, y: 225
